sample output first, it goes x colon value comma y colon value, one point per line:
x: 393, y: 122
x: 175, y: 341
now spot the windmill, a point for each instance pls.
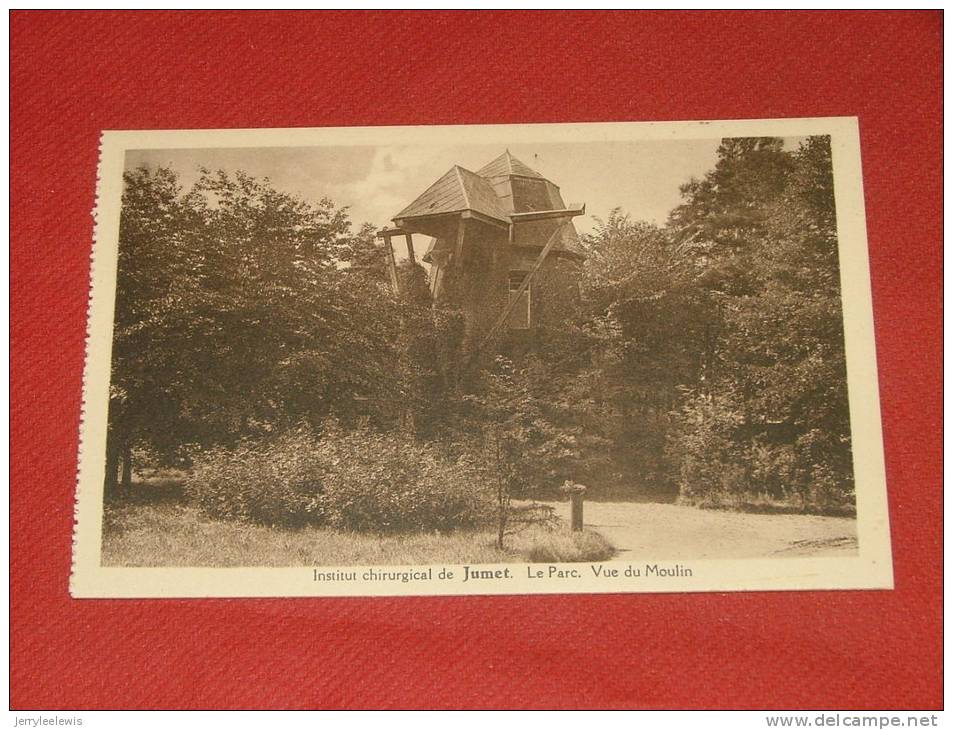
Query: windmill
x: 495, y: 235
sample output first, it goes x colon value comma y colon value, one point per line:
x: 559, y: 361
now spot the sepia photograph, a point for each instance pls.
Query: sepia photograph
x: 505, y: 359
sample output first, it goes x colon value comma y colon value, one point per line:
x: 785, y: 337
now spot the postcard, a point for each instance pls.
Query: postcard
x: 496, y: 359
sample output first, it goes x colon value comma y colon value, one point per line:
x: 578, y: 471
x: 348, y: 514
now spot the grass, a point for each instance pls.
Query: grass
x: 563, y: 546
x: 169, y: 533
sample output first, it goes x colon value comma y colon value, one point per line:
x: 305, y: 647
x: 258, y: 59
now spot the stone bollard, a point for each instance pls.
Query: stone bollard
x: 576, y: 493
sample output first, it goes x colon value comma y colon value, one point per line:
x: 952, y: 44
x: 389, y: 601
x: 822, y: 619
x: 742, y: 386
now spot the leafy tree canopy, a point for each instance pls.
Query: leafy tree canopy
x: 240, y: 308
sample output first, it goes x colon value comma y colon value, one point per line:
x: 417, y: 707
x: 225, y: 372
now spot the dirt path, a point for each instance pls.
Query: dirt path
x: 669, y: 531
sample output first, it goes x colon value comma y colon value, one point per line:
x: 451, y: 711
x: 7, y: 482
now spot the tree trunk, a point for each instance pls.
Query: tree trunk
x: 625, y: 415
x: 501, y: 526
x: 502, y: 498
x: 111, y: 486
x: 126, y: 468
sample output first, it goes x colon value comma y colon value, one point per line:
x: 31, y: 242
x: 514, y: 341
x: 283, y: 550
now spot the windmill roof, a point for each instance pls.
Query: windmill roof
x: 506, y: 164
x: 504, y: 190
x: 480, y: 195
x: 457, y: 190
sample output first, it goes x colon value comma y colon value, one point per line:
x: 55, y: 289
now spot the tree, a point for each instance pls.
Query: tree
x: 652, y: 322
x: 151, y: 315
x: 787, y: 354
x: 240, y: 310
x: 530, y: 431
x: 762, y: 225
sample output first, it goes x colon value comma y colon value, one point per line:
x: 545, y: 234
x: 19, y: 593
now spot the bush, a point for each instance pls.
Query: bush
x: 388, y: 482
x: 357, y: 480
x: 273, y: 482
x: 828, y: 469
x: 702, y: 451
x: 718, y: 464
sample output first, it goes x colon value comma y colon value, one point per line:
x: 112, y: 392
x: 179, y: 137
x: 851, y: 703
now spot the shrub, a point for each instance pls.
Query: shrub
x: 720, y: 464
x: 826, y: 464
x: 358, y: 480
x: 274, y: 482
x: 387, y: 482
x: 701, y: 448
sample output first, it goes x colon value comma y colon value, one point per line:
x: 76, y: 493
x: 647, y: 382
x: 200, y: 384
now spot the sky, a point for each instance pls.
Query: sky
x: 642, y: 177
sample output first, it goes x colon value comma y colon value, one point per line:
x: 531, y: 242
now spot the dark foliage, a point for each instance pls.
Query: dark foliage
x: 775, y: 403
x: 275, y: 481
x: 705, y: 357
x: 388, y: 482
x: 241, y: 310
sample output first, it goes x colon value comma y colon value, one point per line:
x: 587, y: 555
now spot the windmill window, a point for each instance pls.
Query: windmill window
x: 521, y: 314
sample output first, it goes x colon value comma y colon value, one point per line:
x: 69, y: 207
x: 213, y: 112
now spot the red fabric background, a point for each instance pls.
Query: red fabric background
x: 74, y: 74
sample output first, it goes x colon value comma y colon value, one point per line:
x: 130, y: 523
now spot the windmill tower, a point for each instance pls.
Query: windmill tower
x: 497, y: 236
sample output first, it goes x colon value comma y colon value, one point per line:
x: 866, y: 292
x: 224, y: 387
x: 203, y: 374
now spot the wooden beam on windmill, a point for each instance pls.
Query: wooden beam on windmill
x: 391, y: 262
x: 458, y: 249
